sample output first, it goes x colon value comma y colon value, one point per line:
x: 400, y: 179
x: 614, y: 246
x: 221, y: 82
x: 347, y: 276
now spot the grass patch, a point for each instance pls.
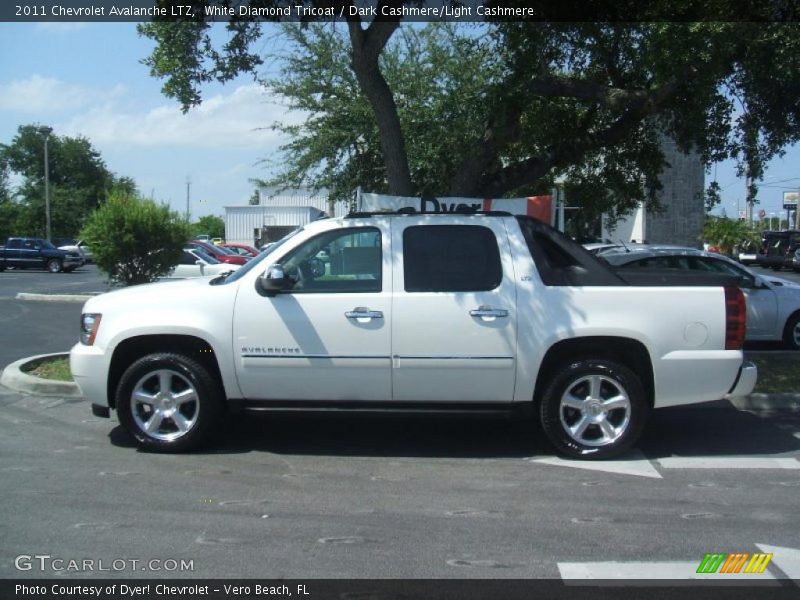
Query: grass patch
x: 778, y: 374
x: 56, y: 368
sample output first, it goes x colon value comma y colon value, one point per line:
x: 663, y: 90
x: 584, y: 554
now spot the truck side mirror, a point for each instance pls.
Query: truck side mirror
x: 272, y: 281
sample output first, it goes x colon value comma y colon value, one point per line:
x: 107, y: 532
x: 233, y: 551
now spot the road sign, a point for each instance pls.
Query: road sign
x: 790, y: 200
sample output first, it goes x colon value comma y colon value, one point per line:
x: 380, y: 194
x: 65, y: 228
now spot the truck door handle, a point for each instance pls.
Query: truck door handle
x: 488, y: 311
x: 361, y: 312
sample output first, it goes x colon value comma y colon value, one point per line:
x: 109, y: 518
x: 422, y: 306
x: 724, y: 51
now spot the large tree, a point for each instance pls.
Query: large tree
x: 79, y: 181
x: 502, y: 108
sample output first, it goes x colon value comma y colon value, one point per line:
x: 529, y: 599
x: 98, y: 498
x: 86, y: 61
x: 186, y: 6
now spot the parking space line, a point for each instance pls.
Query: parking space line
x: 633, y: 463
x: 727, y: 462
x: 647, y: 572
x: 786, y: 559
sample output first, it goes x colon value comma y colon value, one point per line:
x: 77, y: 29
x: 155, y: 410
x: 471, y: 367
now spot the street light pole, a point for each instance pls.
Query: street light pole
x: 188, y: 186
x: 47, y: 131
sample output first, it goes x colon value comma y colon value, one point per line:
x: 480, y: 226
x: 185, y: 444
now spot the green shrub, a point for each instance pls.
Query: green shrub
x: 134, y: 240
x: 727, y: 234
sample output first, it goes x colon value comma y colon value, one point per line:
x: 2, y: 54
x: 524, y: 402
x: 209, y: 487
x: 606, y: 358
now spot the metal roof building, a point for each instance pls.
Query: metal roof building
x: 278, y: 212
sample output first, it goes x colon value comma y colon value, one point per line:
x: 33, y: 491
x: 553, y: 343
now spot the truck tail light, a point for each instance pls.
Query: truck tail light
x: 735, y: 318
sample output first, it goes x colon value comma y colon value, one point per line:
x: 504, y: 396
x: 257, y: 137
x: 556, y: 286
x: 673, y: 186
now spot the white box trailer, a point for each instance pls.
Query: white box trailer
x: 540, y: 207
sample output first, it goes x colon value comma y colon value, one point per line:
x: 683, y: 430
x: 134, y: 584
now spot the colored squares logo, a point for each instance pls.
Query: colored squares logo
x: 736, y: 562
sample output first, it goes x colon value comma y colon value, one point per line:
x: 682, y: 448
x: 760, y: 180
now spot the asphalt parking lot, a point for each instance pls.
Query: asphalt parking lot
x: 31, y: 328
x: 357, y: 497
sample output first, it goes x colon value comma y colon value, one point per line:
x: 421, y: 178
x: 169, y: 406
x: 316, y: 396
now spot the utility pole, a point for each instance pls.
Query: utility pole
x: 47, y: 131
x: 188, y: 187
x: 748, y: 198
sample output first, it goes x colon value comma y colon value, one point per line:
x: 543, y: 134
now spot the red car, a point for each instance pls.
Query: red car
x: 241, y: 249
x: 221, y: 254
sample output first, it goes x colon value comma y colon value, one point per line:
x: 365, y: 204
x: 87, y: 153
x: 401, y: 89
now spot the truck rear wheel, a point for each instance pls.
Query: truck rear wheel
x: 168, y: 402
x: 593, y: 409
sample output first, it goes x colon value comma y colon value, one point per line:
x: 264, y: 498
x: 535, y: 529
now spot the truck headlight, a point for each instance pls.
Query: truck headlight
x: 90, y: 323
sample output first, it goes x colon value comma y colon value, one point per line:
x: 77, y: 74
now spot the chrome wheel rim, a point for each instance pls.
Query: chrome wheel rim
x: 165, y: 405
x: 595, y: 410
x: 53, y: 266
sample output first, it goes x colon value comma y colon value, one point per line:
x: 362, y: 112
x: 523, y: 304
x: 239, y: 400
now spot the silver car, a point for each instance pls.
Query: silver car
x: 196, y: 263
x: 773, y: 303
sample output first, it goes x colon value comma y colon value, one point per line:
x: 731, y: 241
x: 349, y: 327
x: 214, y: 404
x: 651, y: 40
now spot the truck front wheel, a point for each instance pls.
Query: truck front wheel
x: 593, y: 409
x: 168, y: 402
x: 54, y: 265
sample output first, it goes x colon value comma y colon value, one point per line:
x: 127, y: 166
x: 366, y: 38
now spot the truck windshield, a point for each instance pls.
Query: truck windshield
x: 236, y: 275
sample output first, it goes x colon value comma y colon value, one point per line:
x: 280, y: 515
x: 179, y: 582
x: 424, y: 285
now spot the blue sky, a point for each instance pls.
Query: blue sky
x: 87, y: 79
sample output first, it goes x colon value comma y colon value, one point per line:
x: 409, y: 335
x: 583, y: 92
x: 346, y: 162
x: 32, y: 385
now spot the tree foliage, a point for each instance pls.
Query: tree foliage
x: 503, y: 108
x: 79, y: 182
x: 8, y: 209
x: 211, y: 225
x: 134, y: 240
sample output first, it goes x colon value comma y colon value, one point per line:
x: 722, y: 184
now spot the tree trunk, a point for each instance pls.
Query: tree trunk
x: 367, y: 46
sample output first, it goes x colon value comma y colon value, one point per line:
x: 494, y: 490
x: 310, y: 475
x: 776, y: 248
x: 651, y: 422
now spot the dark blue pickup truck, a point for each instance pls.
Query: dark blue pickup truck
x: 37, y: 253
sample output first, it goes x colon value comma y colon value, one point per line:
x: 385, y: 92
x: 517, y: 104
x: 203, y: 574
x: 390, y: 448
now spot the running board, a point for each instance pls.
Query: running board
x: 380, y: 408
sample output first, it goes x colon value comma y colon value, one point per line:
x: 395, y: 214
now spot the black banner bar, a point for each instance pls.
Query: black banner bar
x: 391, y: 589
x: 406, y: 10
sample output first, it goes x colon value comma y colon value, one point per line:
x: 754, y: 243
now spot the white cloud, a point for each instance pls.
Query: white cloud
x: 60, y: 26
x: 239, y: 119
x: 49, y: 95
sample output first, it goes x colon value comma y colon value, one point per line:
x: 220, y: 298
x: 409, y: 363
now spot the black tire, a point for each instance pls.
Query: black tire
x: 791, y: 333
x: 199, y: 417
x: 54, y: 265
x: 606, y: 431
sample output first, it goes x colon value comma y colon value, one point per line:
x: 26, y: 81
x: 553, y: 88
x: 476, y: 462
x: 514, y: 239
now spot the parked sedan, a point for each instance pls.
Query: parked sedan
x: 221, y: 254
x: 240, y: 249
x: 196, y: 263
x: 773, y: 304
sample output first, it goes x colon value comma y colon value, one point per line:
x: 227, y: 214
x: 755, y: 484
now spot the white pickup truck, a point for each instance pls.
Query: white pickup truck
x: 423, y: 312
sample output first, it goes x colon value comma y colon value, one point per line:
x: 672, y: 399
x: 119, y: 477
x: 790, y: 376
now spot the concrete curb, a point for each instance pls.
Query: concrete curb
x: 15, y: 378
x: 786, y: 402
x: 53, y: 297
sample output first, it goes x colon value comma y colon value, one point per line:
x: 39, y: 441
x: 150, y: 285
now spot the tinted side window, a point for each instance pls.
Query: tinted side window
x: 14, y: 245
x: 450, y: 258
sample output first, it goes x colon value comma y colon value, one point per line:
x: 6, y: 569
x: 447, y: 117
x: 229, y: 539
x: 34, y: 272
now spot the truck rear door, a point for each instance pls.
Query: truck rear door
x: 454, y: 311
x: 12, y: 253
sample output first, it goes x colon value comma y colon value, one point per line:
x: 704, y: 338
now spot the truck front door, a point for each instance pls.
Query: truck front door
x: 328, y: 336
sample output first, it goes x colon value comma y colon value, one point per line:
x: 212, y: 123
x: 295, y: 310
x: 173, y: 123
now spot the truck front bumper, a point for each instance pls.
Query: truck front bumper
x: 746, y: 381
x: 88, y: 366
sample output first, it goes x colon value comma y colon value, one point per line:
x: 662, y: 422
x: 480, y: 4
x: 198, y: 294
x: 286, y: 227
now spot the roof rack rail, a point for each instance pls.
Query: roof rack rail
x: 409, y: 210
